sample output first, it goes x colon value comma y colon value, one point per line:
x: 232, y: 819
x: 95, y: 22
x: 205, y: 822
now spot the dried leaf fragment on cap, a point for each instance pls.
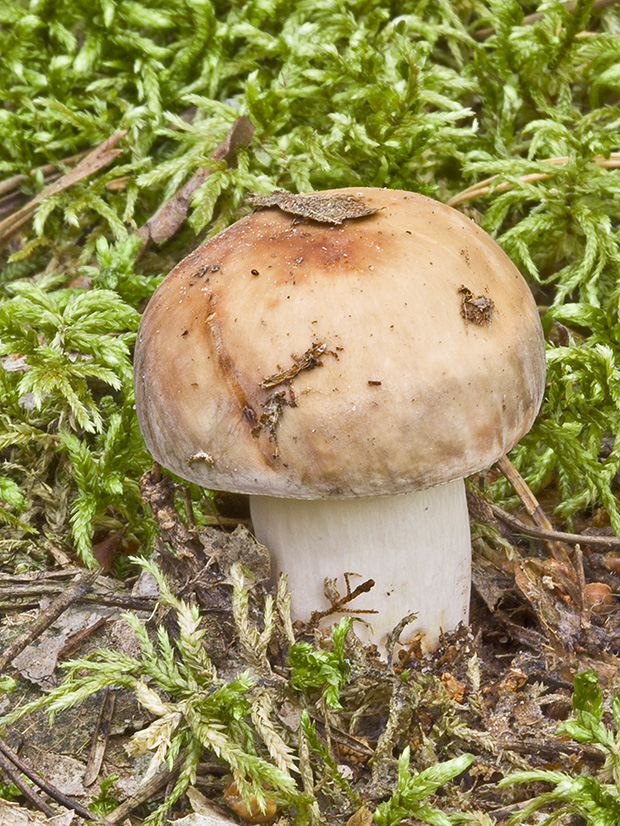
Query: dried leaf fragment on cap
x: 316, y: 206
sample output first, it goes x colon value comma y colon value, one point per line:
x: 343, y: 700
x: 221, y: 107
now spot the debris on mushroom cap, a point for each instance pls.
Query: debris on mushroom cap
x: 329, y: 208
x: 395, y: 351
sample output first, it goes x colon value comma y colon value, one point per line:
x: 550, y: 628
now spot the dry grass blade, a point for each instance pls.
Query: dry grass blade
x: 484, y: 187
x: 91, y: 163
x: 532, y: 506
x: 100, y: 738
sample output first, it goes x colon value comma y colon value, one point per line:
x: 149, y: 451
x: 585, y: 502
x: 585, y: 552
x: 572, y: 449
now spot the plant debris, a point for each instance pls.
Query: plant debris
x: 332, y: 209
x: 478, y: 309
x: 95, y: 160
x: 496, y: 692
x: 171, y: 214
x: 274, y: 405
x: 270, y: 418
x: 307, y: 361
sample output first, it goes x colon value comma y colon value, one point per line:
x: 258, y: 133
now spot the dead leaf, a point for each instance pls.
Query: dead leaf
x: 171, y: 214
x: 206, y: 813
x: 248, y: 809
x: 238, y: 546
x: 11, y: 814
x: 454, y: 687
x: 105, y: 551
x: 328, y: 209
x: 362, y: 817
x: 554, y: 615
x: 64, y: 773
x: 490, y: 581
x: 37, y: 662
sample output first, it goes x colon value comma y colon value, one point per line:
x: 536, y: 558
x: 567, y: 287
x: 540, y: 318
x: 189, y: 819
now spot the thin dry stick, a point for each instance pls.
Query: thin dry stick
x: 14, y: 579
x: 581, y: 581
x: 484, y: 187
x: 554, y: 750
x: 605, y: 543
x: 341, y: 737
x: 50, y: 790
x: 58, y: 606
x: 15, y: 181
x: 340, y: 605
x: 100, y: 737
x: 25, y: 788
x: 482, y: 34
x: 29, y: 596
x: 144, y: 793
x: 532, y: 506
x: 75, y: 639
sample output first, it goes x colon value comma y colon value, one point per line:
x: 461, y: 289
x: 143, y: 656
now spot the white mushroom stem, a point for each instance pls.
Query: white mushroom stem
x: 415, y: 546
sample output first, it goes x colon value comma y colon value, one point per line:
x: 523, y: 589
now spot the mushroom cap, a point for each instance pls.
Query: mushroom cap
x: 387, y: 353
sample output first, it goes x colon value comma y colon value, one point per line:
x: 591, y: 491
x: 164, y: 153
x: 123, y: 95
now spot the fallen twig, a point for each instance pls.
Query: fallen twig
x: 24, y: 591
x: 552, y: 749
x: 607, y: 543
x: 532, y: 506
x: 46, y: 617
x: 50, y: 169
x: 25, y: 788
x: 10, y: 756
x: 484, y: 187
x: 75, y: 639
x: 339, y: 605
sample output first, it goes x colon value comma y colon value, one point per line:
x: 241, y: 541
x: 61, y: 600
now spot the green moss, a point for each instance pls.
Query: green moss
x: 430, y: 96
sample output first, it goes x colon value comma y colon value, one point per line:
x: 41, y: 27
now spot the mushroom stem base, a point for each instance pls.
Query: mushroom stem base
x: 415, y: 546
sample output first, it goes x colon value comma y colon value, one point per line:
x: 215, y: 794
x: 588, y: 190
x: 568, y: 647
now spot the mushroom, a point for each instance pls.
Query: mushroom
x: 346, y: 366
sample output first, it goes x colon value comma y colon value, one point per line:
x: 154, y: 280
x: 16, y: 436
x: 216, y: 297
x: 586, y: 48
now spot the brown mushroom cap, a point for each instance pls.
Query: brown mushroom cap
x: 293, y: 358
